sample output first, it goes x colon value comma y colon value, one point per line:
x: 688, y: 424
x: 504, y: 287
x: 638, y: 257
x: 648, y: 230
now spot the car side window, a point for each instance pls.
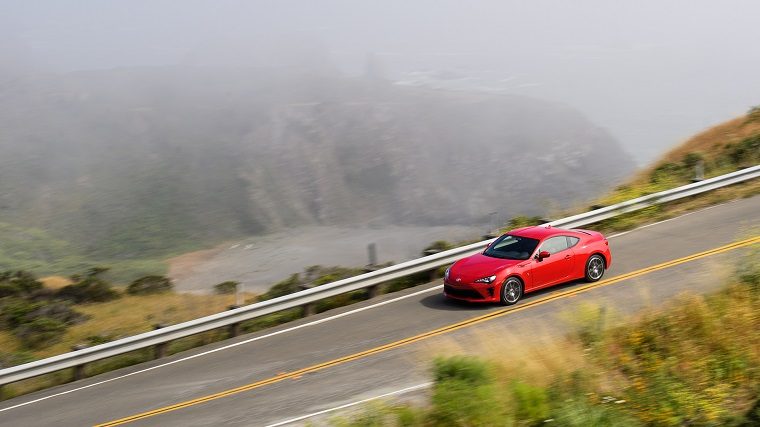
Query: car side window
x: 554, y: 244
x: 572, y: 241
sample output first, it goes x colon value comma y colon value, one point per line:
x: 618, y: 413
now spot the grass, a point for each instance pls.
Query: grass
x: 720, y: 151
x: 694, y: 361
x: 131, y: 315
x: 126, y: 316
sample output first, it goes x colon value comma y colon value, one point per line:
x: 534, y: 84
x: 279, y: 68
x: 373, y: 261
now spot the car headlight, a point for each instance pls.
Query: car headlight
x: 446, y: 274
x: 488, y: 279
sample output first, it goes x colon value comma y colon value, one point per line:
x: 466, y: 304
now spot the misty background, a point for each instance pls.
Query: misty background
x: 132, y: 131
x: 650, y: 72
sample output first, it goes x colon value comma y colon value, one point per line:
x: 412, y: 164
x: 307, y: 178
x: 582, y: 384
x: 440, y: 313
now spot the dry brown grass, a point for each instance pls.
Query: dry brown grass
x: 709, y: 143
x: 55, y: 282
x: 129, y: 315
x: 536, y: 359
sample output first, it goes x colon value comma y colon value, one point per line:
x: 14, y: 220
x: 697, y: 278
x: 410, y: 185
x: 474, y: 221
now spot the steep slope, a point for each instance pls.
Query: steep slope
x: 126, y: 164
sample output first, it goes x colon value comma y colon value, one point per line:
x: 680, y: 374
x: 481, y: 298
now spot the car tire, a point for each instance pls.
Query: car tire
x: 511, y: 291
x: 595, y: 266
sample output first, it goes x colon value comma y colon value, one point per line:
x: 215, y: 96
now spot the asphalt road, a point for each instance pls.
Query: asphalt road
x: 351, y: 330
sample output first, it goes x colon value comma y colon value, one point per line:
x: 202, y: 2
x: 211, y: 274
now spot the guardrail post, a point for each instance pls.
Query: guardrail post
x: 309, y: 309
x: 373, y: 291
x: 78, y: 373
x: 234, y: 330
x: 434, y: 272
x: 159, y: 350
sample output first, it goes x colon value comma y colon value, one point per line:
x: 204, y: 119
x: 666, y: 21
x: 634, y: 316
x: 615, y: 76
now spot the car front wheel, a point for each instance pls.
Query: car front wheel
x: 594, y: 268
x: 511, y: 291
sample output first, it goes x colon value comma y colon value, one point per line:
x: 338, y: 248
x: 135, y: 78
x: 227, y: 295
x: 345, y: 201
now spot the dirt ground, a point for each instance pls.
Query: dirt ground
x: 260, y: 261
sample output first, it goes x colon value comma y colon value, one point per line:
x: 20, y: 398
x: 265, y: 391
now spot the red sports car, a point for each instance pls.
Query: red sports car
x: 525, y: 260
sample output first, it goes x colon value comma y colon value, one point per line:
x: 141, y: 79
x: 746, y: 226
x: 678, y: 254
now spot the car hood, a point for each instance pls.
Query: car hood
x: 478, y: 265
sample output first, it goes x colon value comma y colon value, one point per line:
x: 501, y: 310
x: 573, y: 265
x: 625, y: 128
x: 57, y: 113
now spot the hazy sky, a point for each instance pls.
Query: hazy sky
x: 651, y: 72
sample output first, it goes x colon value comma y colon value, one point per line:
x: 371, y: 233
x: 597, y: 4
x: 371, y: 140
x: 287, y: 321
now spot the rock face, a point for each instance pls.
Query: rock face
x: 133, y: 162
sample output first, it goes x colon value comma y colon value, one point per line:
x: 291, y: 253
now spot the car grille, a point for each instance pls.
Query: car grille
x: 462, y: 293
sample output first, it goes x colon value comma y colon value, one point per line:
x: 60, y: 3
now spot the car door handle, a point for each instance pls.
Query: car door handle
x: 568, y: 256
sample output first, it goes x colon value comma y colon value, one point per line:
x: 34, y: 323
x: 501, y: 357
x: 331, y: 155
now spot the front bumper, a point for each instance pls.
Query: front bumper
x: 470, y: 292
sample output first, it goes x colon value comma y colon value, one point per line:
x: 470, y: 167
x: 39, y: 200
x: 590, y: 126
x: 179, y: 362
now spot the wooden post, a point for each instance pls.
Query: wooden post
x: 309, y: 309
x: 372, y: 254
x: 159, y: 350
x: 373, y: 291
x: 234, y: 330
x: 78, y: 372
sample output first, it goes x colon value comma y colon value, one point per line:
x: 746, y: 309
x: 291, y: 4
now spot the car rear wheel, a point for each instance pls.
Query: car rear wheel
x: 511, y: 291
x: 594, y: 268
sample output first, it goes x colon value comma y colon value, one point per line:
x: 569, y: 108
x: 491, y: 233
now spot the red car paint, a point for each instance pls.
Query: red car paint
x: 534, y: 272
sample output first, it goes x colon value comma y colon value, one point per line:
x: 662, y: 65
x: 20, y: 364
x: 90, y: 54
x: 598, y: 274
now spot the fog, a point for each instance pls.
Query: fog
x: 652, y: 73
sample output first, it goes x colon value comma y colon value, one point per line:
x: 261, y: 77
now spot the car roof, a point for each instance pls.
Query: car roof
x: 541, y: 232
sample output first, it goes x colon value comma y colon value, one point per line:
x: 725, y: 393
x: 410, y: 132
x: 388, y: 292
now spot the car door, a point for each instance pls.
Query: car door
x: 556, y: 268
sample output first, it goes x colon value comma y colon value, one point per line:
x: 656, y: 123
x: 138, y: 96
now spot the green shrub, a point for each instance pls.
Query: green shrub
x: 88, y: 290
x: 754, y: 113
x: 40, y: 332
x: 580, y: 413
x: 752, y: 417
x: 226, y: 288
x: 8, y: 290
x: 437, y: 246
x: 462, y: 368
x: 150, y: 285
x: 531, y: 402
x: 746, y: 152
x: 465, y: 394
x: 692, y: 159
x: 18, y: 283
x: 89, y: 287
x: 57, y: 310
x: 668, y: 174
x: 15, y: 310
x: 15, y: 358
x: 748, y: 269
x: 284, y: 287
x: 314, y: 275
x: 524, y: 221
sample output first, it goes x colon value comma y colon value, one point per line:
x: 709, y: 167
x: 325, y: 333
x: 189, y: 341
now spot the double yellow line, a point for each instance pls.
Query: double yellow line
x: 450, y: 328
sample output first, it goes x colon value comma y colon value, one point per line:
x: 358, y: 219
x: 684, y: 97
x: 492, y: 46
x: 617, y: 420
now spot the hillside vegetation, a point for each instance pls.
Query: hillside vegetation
x: 693, y: 362
x: 721, y: 149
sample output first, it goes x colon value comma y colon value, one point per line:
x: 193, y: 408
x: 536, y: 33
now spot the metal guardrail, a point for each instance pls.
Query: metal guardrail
x: 161, y: 337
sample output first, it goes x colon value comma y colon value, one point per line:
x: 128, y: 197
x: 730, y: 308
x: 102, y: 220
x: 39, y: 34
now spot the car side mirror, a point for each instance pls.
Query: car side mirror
x: 543, y: 254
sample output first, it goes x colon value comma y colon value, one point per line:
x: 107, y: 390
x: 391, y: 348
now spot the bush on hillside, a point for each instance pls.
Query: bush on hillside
x: 226, y: 288
x: 667, y: 173
x: 437, y: 246
x: 525, y: 221
x: 465, y: 393
x: 40, y: 332
x: 746, y: 152
x: 18, y: 283
x: 283, y: 287
x: 690, y: 160
x: 748, y: 269
x: 314, y: 275
x: 150, y: 285
x: 754, y: 113
x: 88, y: 291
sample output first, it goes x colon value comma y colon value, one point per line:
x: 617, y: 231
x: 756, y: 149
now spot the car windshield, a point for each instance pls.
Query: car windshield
x: 511, y: 247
